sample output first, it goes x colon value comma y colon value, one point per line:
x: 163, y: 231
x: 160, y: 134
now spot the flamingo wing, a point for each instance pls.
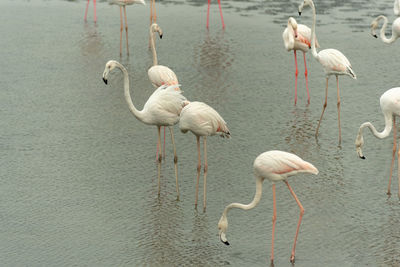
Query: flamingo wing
x: 334, y: 61
x: 160, y: 75
x: 278, y: 165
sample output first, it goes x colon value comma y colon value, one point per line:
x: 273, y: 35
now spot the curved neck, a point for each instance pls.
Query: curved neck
x: 313, y: 49
x: 383, y: 29
x: 153, y: 47
x: 252, y: 204
x: 138, y: 114
x: 384, y: 133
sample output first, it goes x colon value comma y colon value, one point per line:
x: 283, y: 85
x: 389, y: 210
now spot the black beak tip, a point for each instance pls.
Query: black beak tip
x: 362, y: 157
x: 105, y: 80
x: 376, y: 36
x: 160, y: 36
x: 299, y: 13
x: 226, y: 243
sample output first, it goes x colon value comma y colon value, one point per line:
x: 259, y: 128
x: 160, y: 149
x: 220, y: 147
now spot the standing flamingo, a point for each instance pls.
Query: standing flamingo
x: 333, y: 62
x: 220, y: 12
x: 202, y: 120
x: 275, y: 166
x: 298, y: 37
x: 395, y: 29
x: 123, y: 4
x: 396, y: 7
x: 161, y: 109
x: 94, y: 7
x: 390, y: 106
x: 159, y: 74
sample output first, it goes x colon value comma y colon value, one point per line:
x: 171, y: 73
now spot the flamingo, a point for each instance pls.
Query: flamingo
x: 396, y: 7
x: 275, y: 166
x: 220, y: 12
x: 94, y: 7
x: 161, y: 109
x: 202, y: 120
x: 333, y: 62
x: 159, y: 74
x: 298, y: 37
x: 395, y: 29
x: 390, y: 106
x: 122, y: 5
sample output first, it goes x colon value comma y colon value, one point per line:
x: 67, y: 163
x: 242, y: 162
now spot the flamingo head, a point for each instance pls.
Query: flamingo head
x: 359, y: 144
x: 374, y: 25
x: 293, y: 23
x: 110, y: 65
x: 222, y: 226
x: 155, y: 28
x: 305, y: 3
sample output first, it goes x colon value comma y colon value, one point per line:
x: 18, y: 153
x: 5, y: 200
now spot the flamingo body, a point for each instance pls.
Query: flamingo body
x: 335, y: 63
x: 275, y: 166
x: 160, y: 75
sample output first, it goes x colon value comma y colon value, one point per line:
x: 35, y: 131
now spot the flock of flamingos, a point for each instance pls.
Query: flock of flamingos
x: 167, y: 106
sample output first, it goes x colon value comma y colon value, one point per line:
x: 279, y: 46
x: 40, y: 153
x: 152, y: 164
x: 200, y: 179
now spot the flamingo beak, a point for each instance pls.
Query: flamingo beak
x: 299, y: 13
x: 295, y: 33
x: 376, y: 36
x: 160, y: 36
x: 105, y: 80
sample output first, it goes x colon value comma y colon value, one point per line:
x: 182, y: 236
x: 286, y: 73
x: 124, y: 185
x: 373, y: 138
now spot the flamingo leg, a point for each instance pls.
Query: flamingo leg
x: 175, y: 161
x: 273, y: 224
x: 393, y: 155
x: 306, y: 76
x: 94, y: 7
x: 86, y: 10
x: 159, y: 159
x: 338, y: 109
x: 296, y: 74
x: 220, y: 12
x: 208, y: 12
x: 164, y: 146
x: 126, y: 31
x: 155, y: 14
x: 298, y: 224
x: 198, y: 171
x: 205, y: 174
x: 323, y: 110
x: 120, y: 31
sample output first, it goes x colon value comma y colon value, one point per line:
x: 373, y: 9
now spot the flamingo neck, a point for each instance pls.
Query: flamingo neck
x: 138, y: 114
x: 153, y: 47
x: 383, y: 29
x: 380, y: 135
x: 313, y: 49
x: 252, y: 204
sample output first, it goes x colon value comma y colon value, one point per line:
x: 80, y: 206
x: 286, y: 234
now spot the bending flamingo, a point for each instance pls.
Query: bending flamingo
x: 298, y: 37
x: 86, y: 10
x: 161, y: 109
x: 159, y: 74
x: 122, y: 5
x: 395, y: 29
x: 202, y: 120
x: 275, y: 166
x: 220, y: 12
x: 390, y: 106
x: 333, y: 62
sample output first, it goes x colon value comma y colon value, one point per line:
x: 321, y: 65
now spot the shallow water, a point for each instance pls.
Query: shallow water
x: 78, y: 173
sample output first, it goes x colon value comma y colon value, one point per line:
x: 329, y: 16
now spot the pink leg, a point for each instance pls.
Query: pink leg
x: 220, y: 12
x: 324, y: 107
x: 296, y: 74
x: 95, y: 16
x: 86, y: 10
x: 164, y: 145
x: 273, y: 224
x: 205, y: 174
x: 298, y: 224
x: 208, y: 12
x: 338, y: 109
x: 393, y: 155
x: 198, y: 171
x: 175, y: 162
x: 120, y: 31
x: 306, y: 76
x: 126, y: 31
x: 159, y: 159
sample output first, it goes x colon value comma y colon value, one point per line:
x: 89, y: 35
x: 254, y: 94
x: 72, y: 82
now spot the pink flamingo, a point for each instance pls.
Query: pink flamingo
x: 220, y: 12
x: 390, y: 106
x: 122, y: 5
x: 298, y: 37
x: 395, y: 29
x: 161, y: 109
x: 333, y: 62
x: 94, y: 7
x: 202, y: 120
x: 159, y: 74
x: 275, y: 166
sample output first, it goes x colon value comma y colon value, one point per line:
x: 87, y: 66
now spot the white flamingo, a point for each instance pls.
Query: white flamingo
x: 202, y: 120
x: 275, y: 166
x: 122, y: 5
x: 333, y: 62
x: 161, y: 109
x: 395, y: 29
x: 390, y: 106
x: 159, y: 74
x: 298, y: 37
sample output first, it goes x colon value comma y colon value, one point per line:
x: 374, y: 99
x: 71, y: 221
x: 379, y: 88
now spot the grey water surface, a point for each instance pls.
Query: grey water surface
x: 78, y: 177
